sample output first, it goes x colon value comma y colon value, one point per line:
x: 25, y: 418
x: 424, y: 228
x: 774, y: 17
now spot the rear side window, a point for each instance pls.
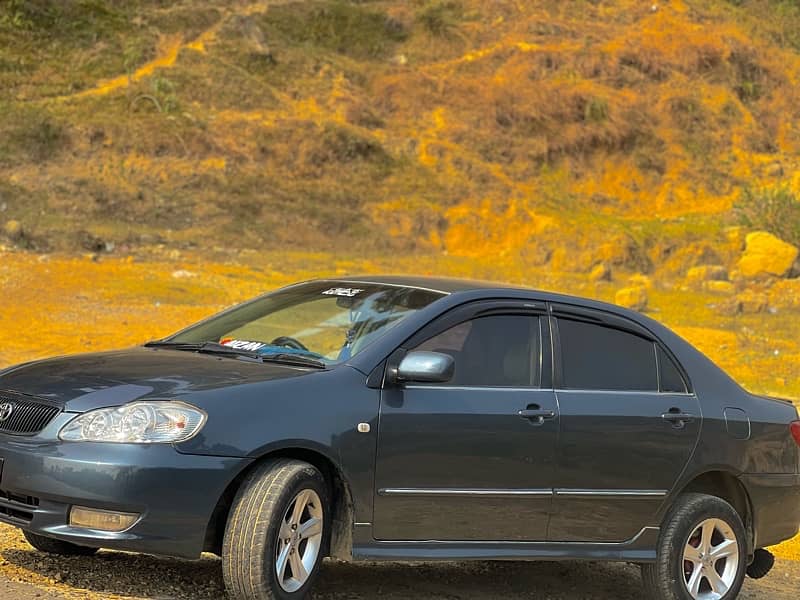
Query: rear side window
x: 594, y: 357
x: 671, y: 378
x: 493, y: 351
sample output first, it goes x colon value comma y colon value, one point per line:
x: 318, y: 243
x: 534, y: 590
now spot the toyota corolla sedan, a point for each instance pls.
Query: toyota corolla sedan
x: 390, y: 418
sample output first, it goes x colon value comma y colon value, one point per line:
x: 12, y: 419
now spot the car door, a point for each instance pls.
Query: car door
x: 628, y: 426
x: 459, y: 461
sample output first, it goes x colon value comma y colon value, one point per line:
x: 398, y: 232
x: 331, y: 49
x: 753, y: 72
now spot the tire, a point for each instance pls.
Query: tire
x: 53, y: 546
x: 693, y: 519
x: 262, y: 519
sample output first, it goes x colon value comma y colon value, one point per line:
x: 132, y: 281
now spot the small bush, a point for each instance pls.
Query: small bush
x: 750, y: 76
x: 340, y: 144
x: 439, y: 18
x: 164, y: 90
x: 649, y: 155
x: 778, y: 19
x: 596, y: 110
x: 25, y: 15
x: 81, y: 17
x: 689, y: 114
x: 338, y: 26
x: 12, y: 16
x: 36, y: 136
x: 776, y: 210
x: 786, y: 16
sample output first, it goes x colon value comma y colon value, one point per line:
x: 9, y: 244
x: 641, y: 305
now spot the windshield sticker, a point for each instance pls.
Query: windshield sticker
x: 340, y: 291
x: 242, y: 344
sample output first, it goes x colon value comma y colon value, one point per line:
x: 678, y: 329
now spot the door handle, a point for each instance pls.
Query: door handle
x: 677, y: 418
x: 535, y: 414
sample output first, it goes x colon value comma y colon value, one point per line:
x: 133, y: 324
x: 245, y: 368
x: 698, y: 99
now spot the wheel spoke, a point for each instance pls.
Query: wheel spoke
x: 723, y: 550
x: 299, y: 506
x: 298, y: 568
x: 283, y: 560
x: 716, y: 582
x: 707, y: 534
x: 694, y: 581
x: 310, y: 528
x: 691, y: 554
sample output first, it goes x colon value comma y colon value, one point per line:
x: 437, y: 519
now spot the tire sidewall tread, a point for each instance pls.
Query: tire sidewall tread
x: 663, y: 578
x: 248, y: 550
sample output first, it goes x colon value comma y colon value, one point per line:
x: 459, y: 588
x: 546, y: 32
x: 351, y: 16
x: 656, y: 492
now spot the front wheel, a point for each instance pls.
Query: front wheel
x: 701, y: 552
x: 275, y: 536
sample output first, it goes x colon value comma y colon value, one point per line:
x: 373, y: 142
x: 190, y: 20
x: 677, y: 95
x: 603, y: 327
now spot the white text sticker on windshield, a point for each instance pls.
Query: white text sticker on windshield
x: 339, y: 291
x: 242, y: 344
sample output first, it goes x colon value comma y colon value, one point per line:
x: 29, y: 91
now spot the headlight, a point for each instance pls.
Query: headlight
x: 136, y: 423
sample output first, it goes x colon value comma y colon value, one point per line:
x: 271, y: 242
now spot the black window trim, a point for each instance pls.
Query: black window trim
x: 478, y: 309
x: 611, y: 321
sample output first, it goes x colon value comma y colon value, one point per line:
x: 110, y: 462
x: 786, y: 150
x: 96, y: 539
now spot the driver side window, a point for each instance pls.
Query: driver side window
x: 492, y: 351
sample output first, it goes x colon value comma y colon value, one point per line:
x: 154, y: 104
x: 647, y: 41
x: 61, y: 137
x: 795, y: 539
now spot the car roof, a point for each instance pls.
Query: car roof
x: 447, y: 285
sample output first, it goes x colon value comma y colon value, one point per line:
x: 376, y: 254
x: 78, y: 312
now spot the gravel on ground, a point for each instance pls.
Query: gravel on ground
x: 29, y: 575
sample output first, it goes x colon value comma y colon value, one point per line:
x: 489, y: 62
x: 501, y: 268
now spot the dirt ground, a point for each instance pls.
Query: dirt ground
x: 118, y: 575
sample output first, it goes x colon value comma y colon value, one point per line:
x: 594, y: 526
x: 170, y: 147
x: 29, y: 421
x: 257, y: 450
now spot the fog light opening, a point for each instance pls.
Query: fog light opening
x: 101, y: 520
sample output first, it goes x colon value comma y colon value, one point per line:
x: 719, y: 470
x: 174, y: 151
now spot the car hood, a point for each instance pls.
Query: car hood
x: 88, y: 381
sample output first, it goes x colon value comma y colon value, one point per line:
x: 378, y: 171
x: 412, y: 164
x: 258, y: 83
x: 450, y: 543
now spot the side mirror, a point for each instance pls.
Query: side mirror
x: 426, y: 367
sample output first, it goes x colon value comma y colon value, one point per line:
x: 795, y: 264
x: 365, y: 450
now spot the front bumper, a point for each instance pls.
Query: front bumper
x: 776, y: 506
x: 175, y: 493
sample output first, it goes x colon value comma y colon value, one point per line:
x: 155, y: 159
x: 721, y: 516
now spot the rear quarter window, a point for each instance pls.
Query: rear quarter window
x: 596, y: 357
x: 669, y: 374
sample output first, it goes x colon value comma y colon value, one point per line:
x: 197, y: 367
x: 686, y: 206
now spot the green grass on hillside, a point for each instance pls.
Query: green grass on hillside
x: 428, y: 125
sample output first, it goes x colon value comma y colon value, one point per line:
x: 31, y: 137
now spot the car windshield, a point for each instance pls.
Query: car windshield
x: 327, y: 321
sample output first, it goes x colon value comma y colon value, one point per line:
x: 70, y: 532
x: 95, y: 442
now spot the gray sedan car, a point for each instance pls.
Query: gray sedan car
x: 391, y: 418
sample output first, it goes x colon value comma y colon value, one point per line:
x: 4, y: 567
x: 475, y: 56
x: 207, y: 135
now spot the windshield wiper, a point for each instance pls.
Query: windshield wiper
x: 173, y: 345
x: 290, y: 358
x: 205, y: 347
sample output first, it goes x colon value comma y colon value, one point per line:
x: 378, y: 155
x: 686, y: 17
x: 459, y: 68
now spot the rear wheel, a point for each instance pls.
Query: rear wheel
x: 275, y: 536
x: 701, y: 552
x: 53, y: 546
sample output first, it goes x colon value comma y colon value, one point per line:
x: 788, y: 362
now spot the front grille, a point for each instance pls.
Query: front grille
x: 22, y: 414
x: 17, y: 507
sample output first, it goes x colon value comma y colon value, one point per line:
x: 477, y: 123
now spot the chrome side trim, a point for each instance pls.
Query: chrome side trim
x: 512, y: 493
x: 473, y: 493
x: 477, y: 387
x: 539, y: 389
x: 626, y: 392
x: 618, y: 494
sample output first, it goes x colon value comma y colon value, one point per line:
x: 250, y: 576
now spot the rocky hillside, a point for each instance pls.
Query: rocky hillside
x: 623, y: 136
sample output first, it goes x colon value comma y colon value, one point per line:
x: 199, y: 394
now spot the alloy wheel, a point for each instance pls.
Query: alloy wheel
x: 299, y: 540
x: 710, y: 560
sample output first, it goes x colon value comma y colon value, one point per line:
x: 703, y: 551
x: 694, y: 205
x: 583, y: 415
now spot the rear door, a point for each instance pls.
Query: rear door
x: 628, y: 426
x: 462, y: 460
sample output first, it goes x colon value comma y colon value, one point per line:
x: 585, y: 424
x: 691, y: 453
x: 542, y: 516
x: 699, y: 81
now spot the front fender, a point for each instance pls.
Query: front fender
x: 318, y: 413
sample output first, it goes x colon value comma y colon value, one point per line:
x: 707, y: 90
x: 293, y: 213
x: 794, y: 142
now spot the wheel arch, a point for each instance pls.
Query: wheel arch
x: 340, y: 541
x: 725, y: 485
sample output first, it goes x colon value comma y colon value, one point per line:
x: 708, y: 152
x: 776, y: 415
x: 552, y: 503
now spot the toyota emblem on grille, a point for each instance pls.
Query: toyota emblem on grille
x: 6, y: 409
